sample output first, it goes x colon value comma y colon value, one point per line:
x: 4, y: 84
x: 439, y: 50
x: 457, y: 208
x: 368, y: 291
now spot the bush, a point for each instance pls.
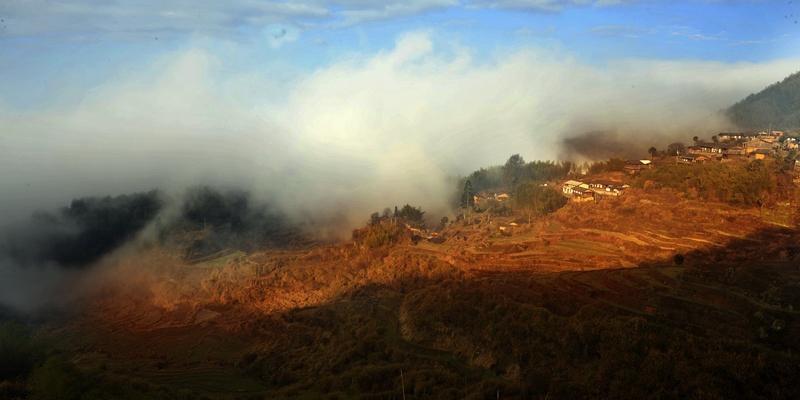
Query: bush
x: 613, y: 164
x: 378, y: 235
x: 538, y: 200
x: 751, y: 183
x: 412, y: 215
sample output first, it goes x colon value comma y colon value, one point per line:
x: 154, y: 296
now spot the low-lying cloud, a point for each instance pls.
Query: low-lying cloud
x: 359, y: 134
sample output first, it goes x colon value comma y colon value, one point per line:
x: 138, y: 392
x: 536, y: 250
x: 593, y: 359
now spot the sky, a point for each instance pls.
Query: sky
x: 53, y: 51
x: 362, y: 103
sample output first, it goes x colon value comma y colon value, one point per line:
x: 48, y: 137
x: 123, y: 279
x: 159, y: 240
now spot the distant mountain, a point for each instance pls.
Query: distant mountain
x: 777, y: 106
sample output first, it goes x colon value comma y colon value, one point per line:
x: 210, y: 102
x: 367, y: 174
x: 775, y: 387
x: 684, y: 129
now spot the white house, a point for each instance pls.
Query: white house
x: 569, y: 187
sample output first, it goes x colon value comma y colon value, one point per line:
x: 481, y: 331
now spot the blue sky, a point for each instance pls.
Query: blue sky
x: 51, y: 50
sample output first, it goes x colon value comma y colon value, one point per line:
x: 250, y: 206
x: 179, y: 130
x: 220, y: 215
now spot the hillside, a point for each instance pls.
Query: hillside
x: 684, y: 286
x: 777, y: 106
x: 589, y: 301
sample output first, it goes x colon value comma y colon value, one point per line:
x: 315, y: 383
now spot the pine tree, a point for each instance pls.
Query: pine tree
x: 467, y: 194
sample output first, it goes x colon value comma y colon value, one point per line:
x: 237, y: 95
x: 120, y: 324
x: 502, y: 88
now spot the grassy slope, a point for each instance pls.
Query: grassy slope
x: 552, y: 310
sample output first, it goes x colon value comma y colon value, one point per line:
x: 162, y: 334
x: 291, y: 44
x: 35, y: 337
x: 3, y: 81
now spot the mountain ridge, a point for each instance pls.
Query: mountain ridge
x: 775, y: 107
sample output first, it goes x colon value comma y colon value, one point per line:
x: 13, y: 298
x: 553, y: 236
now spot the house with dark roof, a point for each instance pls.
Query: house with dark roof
x: 633, y: 167
x: 607, y: 188
x: 735, y: 136
x: 755, y: 144
x: 770, y: 136
x: 734, y: 151
x: 569, y: 187
x: 713, y: 149
x: 693, y: 158
x: 580, y: 195
x: 761, y: 154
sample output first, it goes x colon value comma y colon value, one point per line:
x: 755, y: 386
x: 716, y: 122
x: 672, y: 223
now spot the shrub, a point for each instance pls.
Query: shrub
x: 378, y: 235
x: 538, y: 200
x: 751, y: 183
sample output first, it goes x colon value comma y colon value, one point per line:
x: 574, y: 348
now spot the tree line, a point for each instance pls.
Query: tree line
x: 526, y: 181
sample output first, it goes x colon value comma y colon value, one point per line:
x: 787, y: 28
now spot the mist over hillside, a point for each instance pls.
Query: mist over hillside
x: 362, y: 131
x: 776, y: 107
x: 40, y: 256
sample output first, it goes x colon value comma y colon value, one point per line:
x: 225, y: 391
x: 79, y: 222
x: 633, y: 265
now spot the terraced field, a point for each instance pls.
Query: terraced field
x: 589, y: 302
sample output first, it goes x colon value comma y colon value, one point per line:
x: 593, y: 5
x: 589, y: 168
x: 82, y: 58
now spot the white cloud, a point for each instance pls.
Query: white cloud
x: 393, y: 9
x: 154, y: 17
x: 353, y: 136
x: 626, y: 31
x: 545, y: 5
x: 694, y: 34
x: 147, y: 17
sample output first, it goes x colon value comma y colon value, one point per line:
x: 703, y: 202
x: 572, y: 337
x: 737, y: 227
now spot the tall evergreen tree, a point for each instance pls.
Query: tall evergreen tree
x: 513, y: 170
x: 467, y: 194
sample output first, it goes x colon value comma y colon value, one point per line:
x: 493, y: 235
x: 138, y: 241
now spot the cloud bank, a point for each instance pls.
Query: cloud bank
x: 357, y: 135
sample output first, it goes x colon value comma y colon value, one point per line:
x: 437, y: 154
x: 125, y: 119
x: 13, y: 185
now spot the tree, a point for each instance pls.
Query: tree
x: 375, y: 218
x: 412, y: 215
x: 748, y: 184
x: 653, y: 151
x: 715, y: 139
x: 538, y: 200
x: 613, y: 164
x: 789, y: 160
x: 695, y: 139
x: 513, y: 170
x: 676, y: 149
x: 467, y: 195
x: 486, y: 178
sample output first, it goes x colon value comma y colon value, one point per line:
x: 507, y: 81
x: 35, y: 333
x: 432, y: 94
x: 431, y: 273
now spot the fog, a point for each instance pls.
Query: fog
x: 361, y: 133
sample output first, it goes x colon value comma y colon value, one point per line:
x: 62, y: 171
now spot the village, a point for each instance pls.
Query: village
x: 724, y: 147
x: 497, y: 207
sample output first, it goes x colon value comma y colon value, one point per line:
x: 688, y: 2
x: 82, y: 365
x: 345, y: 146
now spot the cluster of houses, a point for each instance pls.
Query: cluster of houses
x: 483, y: 197
x: 726, y: 146
x: 579, y: 191
x: 738, y: 145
